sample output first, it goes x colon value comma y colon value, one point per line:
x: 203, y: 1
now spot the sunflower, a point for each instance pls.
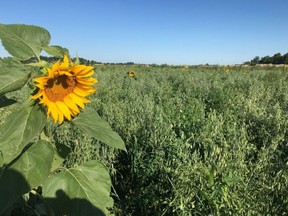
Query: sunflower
x: 64, y: 89
x: 131, y: 74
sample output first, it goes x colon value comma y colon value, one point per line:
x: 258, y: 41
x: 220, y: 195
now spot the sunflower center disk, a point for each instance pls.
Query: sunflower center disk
x: 59, y: 87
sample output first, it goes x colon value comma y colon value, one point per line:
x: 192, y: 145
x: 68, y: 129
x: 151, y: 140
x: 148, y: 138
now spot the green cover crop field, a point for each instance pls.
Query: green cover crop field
x: 200, y: 140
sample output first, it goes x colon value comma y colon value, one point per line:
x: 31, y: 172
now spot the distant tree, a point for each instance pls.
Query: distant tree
x: 265, y: 60
x: 82, y: 60
x: 255, y: 60
x: 285, y: 58
x: 277, y: 59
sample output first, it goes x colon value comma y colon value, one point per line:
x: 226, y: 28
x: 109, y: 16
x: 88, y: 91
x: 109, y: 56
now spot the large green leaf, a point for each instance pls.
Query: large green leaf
x: 13, y: 75
x: 30, y: 170
x: 18, y: 130
x: 91, y: 123
x: 84, y: 190
x: 23, y: 41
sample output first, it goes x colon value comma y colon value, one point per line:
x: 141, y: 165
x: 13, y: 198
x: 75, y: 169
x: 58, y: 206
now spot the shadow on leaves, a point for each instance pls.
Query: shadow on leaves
x: 12, y: 202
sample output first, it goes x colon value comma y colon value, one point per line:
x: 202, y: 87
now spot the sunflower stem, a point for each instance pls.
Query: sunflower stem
x: 43, y: 135
x: 27, y: 103
x: 38, y: 57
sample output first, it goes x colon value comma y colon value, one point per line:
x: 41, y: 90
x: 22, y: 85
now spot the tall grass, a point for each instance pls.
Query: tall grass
x: 200, y: 140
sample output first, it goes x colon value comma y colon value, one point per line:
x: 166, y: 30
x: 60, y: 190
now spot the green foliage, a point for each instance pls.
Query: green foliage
x: 31, y: 157
x: 24, y: 41
x: 90, y: 122
x: 13, y: 75
x: 18, y: 130
x: 25, y: 173
x: 200, y: 140
x: 56, y: 51
x: 83, y: 190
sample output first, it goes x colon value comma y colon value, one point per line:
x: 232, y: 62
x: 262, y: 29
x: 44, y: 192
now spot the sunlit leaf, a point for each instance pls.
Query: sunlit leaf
x: 77, y: 61
x: 23, y: 41
x: 19, y: 129
x: 91, y: 123
x: 56, y: 51
x: 27, y: 172
x: 38, y: 64
x: 13, y: 75
x: 84, y: 190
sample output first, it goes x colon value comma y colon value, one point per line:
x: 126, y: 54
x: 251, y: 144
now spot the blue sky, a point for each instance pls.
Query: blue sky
x: 153, y: 31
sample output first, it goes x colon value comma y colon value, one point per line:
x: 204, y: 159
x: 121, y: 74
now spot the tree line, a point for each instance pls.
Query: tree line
x: 275, y: 59
x: 81, y: 60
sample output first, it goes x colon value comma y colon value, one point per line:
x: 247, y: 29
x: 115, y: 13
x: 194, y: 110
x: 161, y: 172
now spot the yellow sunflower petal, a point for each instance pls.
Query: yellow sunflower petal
x: 44, y: 100
x: 65, y: 64
x: 80, y: 92
x: 86, y: 74
x: 86, y: 88
x: 70, y: 103
x: 86, y: 70
x: 61, y: 117
x: 41, y: 85
x: 88, y: 81
x: 50, y: 72
x: 55, y: 67
x: 64, y: 109
x: 78, y: 68
x: 40, y: 79
x: 65, y: 73
x: 92, y: 91
x: 85, y: 100
x: 39, y: 94
x: 78, y: 100
x: 53, y: 110
x: 74, y: 113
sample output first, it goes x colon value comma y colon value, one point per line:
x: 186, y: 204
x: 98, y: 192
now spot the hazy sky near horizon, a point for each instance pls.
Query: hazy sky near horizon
x: 157, y: 31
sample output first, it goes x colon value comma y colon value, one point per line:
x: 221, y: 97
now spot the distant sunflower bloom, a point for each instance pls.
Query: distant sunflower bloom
x: 131, y: 74
x: 64, y: 89
x: 227, y: 70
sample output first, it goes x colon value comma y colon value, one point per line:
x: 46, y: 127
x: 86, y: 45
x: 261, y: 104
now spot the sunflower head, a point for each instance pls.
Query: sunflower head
x: 63, y: 90
x: 131, y: 74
